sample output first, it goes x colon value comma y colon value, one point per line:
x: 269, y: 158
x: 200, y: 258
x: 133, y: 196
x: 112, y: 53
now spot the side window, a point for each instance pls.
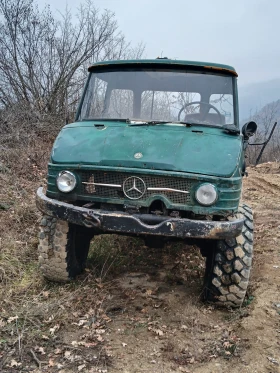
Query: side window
x: 163, y: 105
x: 224, y: 103
x: 93, y: 106
x: 121, y: 104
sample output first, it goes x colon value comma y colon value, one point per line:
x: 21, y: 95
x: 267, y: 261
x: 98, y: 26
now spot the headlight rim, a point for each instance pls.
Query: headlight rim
x: 70, y: 173
x: 204, y: 204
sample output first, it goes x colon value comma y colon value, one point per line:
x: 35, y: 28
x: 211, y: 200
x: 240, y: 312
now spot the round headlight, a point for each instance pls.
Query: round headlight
x: 206, y: 194
x: 66, y: 181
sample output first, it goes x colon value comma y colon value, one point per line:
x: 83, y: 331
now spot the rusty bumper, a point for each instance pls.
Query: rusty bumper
x: 137, y: 224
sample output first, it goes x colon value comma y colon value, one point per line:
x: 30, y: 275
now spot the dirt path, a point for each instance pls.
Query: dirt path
x: 159, y: 325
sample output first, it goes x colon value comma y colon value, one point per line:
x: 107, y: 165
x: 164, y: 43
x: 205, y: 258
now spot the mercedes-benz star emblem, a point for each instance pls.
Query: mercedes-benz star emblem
x: 138, y: 155
x: 134, y: 187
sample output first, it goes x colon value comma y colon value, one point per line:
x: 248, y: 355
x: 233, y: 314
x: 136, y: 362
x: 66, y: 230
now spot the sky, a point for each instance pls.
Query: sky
x: 240, y: 33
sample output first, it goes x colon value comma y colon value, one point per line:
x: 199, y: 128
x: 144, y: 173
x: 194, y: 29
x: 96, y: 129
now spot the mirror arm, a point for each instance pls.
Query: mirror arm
x: 265, y: 143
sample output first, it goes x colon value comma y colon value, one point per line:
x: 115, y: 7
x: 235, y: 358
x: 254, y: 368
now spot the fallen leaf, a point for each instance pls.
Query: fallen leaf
x: 185, y: 370
x: 81, y: 367
x: 82, y: 322
x: 106, y: 318
x: 100, y: 331
x: 57, y: 351
x: 51, y: 363
x: 76, y: 344
x: 11, y: 319
x: 14, y: 363
x: 159, y: 332
x: 54, y: 329
x: 67, y: 354
x: 41, y: 350
x: 49, y: 320
x: 156, y: 331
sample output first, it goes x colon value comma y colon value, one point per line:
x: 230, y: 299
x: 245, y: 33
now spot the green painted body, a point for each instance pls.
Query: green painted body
x: 197, y: 153
x: 198, y: 150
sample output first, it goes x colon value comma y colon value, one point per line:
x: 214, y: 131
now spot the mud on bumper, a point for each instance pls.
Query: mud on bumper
x: 137, y: 224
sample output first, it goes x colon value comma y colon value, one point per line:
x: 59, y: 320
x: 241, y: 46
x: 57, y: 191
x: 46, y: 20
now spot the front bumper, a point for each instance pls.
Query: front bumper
x: 137, y: 224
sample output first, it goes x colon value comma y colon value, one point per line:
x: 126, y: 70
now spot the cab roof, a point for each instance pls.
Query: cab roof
x: 160, y: 62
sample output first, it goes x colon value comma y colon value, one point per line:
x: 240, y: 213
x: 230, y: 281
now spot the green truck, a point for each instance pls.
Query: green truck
x: 155, y: 151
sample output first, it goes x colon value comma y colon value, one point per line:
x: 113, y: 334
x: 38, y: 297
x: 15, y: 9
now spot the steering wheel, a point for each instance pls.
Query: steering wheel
x: 201, y: 103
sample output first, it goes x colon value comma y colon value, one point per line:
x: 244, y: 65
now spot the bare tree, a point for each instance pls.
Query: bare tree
x: 43, y: 60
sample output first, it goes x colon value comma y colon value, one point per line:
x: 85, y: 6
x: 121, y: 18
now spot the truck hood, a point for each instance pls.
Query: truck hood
x: 200, y: 150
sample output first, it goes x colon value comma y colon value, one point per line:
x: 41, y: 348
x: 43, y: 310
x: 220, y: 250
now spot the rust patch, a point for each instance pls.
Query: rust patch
x: 221, y: 69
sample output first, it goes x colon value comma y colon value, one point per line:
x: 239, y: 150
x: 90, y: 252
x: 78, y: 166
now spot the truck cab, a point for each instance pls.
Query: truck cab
x: 155, y: 151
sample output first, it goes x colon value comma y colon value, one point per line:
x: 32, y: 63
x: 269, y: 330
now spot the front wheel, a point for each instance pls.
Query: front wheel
x: 63, y: 249
x: 228, y: 265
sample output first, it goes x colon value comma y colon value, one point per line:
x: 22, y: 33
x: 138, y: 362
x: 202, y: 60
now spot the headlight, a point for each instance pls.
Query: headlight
x: 66, y: 181
x: 206, y: 194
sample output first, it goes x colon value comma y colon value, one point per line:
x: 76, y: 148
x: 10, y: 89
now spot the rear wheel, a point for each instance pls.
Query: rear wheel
x: 63, y: 249
x: 228, y: 265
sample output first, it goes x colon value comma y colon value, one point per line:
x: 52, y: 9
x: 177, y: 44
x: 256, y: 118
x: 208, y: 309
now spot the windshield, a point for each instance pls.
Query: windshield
x: 160, y: 95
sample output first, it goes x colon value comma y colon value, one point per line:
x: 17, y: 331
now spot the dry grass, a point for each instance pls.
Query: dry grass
x: 30, y: 306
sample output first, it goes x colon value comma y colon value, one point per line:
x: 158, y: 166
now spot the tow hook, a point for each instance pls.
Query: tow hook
x: 91, y: 220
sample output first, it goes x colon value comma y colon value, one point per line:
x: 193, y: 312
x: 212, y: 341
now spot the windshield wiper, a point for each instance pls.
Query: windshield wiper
x: 139, y: 122
x: 135, y: 123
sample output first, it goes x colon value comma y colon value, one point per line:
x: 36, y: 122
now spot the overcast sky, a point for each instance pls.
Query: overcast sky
x: 241, y: 33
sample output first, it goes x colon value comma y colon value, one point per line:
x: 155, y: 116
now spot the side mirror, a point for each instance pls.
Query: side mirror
x: 249, y: 129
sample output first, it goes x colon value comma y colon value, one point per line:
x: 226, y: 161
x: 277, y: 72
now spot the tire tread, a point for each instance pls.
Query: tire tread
x: 227, y: 281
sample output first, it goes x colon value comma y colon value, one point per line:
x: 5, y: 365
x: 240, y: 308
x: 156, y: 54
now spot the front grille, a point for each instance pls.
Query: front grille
x: 118, y: 178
